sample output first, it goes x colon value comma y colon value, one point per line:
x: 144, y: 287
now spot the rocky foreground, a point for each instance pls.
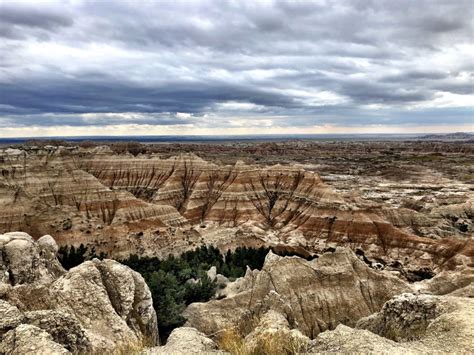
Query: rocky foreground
x: 95, y: 307
x: 335, y: 303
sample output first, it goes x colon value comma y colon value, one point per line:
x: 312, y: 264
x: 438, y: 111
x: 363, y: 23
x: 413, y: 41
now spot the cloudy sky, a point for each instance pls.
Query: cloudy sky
x: 235, y: 67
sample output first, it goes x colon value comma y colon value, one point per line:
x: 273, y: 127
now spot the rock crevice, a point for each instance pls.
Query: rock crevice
x: 96, y: 306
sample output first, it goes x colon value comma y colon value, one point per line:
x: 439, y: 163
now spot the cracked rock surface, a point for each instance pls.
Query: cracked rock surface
x: 314, y: 296
x: 96, y: 306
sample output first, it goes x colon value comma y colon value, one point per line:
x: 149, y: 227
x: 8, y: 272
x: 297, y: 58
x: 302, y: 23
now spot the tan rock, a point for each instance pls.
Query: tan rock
x: 10, y: 317
x: 436, y: 324
x: 64, y: 328
x: 183, y: 341
x: 447, y: 282
x: 405, y: 317
x: 346, y: 340
x: 24, y: 261
x: 313, y: 295
x: 96, y: 306
x: 110, y: 300
x: 273, y: 332
x: 28, y: 339
x: 152, y: 203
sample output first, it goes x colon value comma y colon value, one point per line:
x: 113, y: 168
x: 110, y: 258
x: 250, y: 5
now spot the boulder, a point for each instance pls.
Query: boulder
x: 422, y: 324
x: 347, y: 340
x: 48, y: 246
x: 64, y: 328
x: 185, y: 340
x: 98, y: 306
x: 110, y: 300
x: 405, y: 317
x: 28, y: 339
x: 25, y: 261
x: 10, y: 317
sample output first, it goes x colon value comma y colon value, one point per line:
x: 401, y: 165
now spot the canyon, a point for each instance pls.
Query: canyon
x: 334, y: 303
x: 366, y: 227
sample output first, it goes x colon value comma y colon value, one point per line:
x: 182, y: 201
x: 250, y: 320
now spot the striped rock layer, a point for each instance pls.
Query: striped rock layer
x: 149, y: 205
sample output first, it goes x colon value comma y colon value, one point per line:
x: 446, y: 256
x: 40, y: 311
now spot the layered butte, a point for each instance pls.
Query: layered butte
x: 147, y: 205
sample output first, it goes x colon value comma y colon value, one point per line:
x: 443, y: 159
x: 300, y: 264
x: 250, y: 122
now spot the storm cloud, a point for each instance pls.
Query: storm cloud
x: 219, y: 66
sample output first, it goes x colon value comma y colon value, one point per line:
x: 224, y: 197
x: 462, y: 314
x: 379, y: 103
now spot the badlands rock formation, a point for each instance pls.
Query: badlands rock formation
x: 147, y: 205
x: 185, y: 340
x: 335, y: 302
x: 97, y: 306
x: 331, y: 304
x: 378, y: 229
x: 313, y: 296
x: 420, y: 324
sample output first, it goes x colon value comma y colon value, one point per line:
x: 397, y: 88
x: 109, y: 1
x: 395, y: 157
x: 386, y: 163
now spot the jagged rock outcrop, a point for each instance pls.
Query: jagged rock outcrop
x: 449, y: 282
x: 112, y: 301
x: 161, y: 206
x: 185, y: 340
x: 405, y: 317
x: 337, y: 303
x: 273, y: 331
x: 421, y: 324
x: 64, y: 328
x: 22, y: 260
x: 28, y: 339
x: 313, y: 296
x: 95, y: 306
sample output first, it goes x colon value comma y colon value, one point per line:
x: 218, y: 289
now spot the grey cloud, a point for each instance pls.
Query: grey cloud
x: 107, y: 95
x: 285, y: 58
x: 75, y: 120
x: 416, y: 75
x: 17, y: 19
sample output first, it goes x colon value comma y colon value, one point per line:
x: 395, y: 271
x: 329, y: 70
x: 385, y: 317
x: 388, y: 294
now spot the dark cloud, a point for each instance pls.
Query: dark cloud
x: 110, y: 95
x: 46, y: 120
x: 415, y: 75
x: 297, y: 63
x: 18, y: 20
x: 34, y: 16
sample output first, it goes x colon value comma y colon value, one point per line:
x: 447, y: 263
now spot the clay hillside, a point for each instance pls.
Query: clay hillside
x: 153, y: 206
x: 240, y: 248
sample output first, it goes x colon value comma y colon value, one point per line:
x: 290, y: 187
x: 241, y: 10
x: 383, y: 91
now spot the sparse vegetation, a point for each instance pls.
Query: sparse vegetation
x: 180, y: 280
x: 177, y: 281
x: 268, y: 344
x: 69, y: 256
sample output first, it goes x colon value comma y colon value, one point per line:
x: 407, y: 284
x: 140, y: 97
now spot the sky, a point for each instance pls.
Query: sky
x: 215, y: 67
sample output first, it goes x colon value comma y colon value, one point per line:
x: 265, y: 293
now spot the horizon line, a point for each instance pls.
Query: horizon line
x: 217, y: 136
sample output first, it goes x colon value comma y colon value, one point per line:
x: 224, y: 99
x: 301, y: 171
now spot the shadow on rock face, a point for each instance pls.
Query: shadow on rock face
x: 96, y: 306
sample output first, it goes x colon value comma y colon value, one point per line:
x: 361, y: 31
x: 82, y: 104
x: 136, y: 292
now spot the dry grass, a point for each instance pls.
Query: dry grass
x: 267, y: 344
x: 231, y: 341
x: 133, y: 347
